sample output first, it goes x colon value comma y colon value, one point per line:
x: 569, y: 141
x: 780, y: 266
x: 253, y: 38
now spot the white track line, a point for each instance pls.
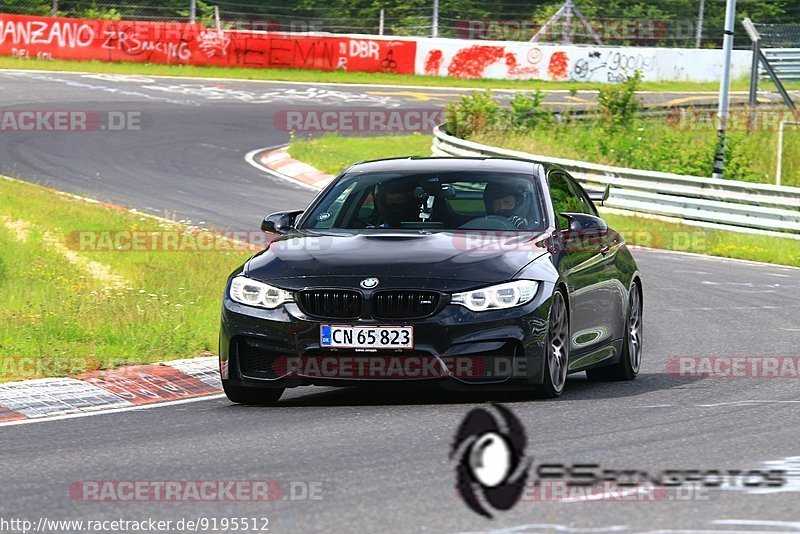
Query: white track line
x: 380, y: 85
x: 336, y: 84
x: 634, y: 248
x: 250, y: 158
x: 113, y: 410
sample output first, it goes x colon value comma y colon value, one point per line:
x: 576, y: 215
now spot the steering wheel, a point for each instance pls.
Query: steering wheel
x: 489, y: 222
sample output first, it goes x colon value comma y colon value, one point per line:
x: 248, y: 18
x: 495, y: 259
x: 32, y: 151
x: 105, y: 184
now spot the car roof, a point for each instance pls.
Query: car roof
x: 443, y: 164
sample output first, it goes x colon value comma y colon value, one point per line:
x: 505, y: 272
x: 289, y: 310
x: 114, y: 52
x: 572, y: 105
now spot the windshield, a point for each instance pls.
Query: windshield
x: 440, y: 201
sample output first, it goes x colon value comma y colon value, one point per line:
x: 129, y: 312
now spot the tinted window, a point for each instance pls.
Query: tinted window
x: 441, y: 201
x: 565, y: 199
x: 588, y: 205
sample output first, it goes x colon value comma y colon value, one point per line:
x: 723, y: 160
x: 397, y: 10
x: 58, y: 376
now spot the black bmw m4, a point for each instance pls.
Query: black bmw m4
x: 460, y: 272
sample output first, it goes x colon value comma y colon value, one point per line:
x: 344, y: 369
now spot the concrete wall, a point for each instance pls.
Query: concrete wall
x: 522, y: 60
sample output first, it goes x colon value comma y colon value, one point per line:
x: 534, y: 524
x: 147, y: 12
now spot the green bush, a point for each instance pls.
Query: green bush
x: 479, y: 112
x: 475, y: 112
x: 525, y: 112
x: 618, y: 104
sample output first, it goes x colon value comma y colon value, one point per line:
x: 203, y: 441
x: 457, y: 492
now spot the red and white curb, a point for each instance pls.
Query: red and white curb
x: 115, y: 389
x: 279, y: 162
x: 138, y: 386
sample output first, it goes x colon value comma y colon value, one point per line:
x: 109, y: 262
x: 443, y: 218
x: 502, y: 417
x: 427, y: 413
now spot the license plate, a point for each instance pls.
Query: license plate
x: 367, y: 337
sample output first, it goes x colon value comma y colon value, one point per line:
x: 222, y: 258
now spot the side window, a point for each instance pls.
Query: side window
x: 588, y: 205
x: 565, y: 200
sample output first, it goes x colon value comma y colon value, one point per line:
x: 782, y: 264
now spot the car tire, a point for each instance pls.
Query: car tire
x: 252, y: 396
x: 631, y: 360
x: 556, y: 361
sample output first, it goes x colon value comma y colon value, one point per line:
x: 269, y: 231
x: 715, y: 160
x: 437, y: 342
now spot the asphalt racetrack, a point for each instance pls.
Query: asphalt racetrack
x: 377, y: 460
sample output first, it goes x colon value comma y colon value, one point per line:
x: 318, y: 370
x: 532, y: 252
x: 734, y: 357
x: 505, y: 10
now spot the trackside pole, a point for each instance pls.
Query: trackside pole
x: 435, y: 21
x: 724, y: 89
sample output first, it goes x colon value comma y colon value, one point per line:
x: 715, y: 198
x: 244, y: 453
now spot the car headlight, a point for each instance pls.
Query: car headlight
x: 254, y: 293
x: 497, y: 297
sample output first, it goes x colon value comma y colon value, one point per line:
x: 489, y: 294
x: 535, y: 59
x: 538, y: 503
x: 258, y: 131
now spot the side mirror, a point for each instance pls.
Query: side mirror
x: 585, y: 224
x: 448, y: 191
x: 280, y: 222
x: 599, y: 197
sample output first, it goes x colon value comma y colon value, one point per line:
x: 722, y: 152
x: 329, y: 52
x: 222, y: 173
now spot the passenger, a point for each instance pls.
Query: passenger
x: 395, y: 203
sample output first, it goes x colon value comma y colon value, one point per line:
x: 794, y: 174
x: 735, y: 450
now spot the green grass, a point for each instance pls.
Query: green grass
x: 332, y: 153
x: 655, y: 145
x: 318, y: 76
x: 60, y: 317
x: 654, y: 233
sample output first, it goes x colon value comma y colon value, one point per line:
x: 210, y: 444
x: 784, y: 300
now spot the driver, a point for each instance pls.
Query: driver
x: 508, y: 200
x: 395, y: 203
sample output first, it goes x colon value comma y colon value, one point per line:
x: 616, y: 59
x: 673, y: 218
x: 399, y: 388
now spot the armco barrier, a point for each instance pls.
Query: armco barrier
x: 726, y: 204
x: 785, y: 61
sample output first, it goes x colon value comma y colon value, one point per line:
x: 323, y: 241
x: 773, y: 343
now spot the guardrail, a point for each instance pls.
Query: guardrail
x: 660, y: 110
x: 723, y: 204
x: 785, y: 61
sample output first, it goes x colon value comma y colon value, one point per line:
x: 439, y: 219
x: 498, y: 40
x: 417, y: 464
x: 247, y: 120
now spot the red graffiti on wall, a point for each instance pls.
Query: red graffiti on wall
x: 193, y: 44
x: 558, y: 66
x: 433, y: 62
x: 472, y: 62
x: 516, y: 71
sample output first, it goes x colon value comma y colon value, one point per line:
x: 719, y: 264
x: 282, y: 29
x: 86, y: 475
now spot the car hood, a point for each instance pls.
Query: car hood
x: 451, y: 259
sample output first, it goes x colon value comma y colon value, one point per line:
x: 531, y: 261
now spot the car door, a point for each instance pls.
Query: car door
x: 591, y: 281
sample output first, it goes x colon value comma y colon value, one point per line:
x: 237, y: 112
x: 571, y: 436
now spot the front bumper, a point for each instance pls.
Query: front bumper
x: 455, y: 348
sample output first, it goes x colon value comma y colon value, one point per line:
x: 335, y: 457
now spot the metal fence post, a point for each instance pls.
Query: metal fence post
x: 779, y: 171
x: 724, y: 89
x: 698, y: 40
x: 754, y: 74
x: 754, y: 71
x: 435, y: 22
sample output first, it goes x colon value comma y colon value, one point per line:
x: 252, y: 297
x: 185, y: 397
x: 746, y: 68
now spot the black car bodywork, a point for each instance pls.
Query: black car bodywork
x: 580, y: 265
